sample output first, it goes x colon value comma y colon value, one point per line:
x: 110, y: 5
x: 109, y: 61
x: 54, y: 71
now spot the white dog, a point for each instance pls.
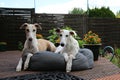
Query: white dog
x: 69, y: 47
x: 33, y: 45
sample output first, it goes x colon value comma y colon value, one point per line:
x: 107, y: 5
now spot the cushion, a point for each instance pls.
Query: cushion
x: 46, y: 61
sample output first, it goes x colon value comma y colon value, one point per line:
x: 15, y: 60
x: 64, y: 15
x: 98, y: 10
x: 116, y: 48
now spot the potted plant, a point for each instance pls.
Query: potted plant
x: 3, y: 46
x: 93, y: 42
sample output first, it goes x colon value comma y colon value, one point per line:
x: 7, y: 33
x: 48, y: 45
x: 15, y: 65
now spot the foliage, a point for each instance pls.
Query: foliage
x: 118, y: 14
x: 101, y: 12
x: 116, y: 59
x: 91, y: 38
x: 3, y: 43
x: 39, y: 36
x: 55, y: 38
x: 81, y: 42
x: 3, y: 46
x: 117, y: 56
x: 77, y: 11
x: 20, y: 45
x: 67, y: 28
x: 53, y: 35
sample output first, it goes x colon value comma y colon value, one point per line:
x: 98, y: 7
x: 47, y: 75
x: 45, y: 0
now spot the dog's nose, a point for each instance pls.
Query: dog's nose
x: 62, y: 44
x: 30, y: 39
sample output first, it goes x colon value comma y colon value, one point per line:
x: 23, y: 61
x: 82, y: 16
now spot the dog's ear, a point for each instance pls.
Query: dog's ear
x: 58, y: 30
x: 38, y: 26
x: 24, y: 25
x: 73, y: 33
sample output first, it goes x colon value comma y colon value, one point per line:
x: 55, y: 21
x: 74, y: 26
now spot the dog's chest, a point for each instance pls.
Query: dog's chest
x: 71, y: 48
x: 32, y: 48
x: 68, y: 49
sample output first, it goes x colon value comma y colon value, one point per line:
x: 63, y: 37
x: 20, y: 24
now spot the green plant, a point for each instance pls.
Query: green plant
x: 3, y: 43
x: 118, y: 14
x: 77, y: 11
x: 20, y: 45
x: 81, y: 42
x: 101, y: 12
x: 116, y: 59
x: 117, y: 56
x: 3, y: 46
x: 92, y: 38
x: 53, y: 35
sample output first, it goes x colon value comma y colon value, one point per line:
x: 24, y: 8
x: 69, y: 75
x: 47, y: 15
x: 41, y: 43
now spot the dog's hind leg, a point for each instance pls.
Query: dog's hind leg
x: 52, y: 47
x: 27, y: 60
x: 19, y: 66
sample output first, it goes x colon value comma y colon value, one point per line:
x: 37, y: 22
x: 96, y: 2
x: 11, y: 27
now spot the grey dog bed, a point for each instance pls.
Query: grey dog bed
x: 49, y: 61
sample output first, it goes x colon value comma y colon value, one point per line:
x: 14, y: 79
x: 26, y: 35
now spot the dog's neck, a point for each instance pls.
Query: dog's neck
x: 31, y: 45
x: 71, y: 44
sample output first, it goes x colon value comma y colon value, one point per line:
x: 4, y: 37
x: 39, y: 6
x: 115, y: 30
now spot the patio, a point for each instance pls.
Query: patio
x: 102, y: 68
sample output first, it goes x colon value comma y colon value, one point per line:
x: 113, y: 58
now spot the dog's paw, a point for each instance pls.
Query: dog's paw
x: 18, y: 68
x: 68, y: 69
x: 25, y: 66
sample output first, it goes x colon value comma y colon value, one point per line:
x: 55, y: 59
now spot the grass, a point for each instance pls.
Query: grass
x: 116, y: 62
x: 116, y: 59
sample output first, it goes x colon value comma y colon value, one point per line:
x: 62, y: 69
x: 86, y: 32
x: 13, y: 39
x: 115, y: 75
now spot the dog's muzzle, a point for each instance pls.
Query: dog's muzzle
x: 61, y: 44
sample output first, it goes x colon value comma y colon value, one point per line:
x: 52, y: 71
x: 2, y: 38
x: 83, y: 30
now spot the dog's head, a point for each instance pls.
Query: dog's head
x: 65, y: 36
x: 30, y: 30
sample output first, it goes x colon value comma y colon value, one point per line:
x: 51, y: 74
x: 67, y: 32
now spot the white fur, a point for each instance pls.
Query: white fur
x: 70, y: 48
x: 19, y: 67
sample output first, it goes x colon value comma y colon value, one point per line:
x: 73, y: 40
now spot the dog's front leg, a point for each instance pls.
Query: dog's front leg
x: 59, y: 49
x: 19, y: 66
x: 27, y: 60
x: 69, y: 63
x: 65, y: 56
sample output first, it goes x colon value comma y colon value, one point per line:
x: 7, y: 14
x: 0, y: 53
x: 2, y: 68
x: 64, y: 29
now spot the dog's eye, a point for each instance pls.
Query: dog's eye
x: 66, y: 35
x: 27, y: 30
x: 60, y: 35
x: 33, y: 30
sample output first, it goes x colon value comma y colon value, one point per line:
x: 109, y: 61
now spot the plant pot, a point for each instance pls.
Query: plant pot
x: 95, y: 49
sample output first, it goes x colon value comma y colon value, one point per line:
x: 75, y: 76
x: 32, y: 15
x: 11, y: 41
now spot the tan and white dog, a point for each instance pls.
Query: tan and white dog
x: 32, y: 44
x: 68, y: 47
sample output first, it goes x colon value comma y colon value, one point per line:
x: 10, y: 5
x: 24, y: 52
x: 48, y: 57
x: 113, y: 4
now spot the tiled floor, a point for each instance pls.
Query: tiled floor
x: 112, y: 77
